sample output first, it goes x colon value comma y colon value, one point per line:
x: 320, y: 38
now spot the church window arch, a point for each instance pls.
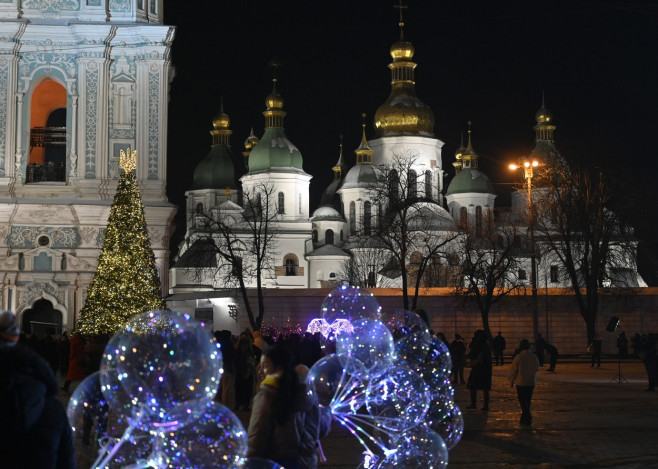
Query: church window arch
x: 393, y: 183
x: 412, y: 184
x: 463, y: 217
x: 281, y: 203
x: 428, y: 184
x: 478, y: 221
x: 199, y: 208
x: 291, y: 263
x: 352, y: 217
x: 315, y: 236
x: 47, y: 145
x: 367, y: 218
x: 329, y: 237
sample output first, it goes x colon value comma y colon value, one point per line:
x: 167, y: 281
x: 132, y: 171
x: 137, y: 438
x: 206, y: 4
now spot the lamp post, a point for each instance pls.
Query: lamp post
x: 528, y: 166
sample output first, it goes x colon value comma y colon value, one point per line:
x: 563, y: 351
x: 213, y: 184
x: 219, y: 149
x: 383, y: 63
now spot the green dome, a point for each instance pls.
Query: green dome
x: 216, y: 170
x: 470, y: 180
x: 274, y: 150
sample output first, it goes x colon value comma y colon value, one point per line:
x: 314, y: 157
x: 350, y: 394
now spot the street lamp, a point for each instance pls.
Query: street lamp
x: 528, y: 166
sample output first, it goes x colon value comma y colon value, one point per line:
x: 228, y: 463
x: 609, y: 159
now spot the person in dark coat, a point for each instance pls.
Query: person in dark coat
x: 481, y: 368
x: 34, y: 429
x: 498, y: 346
x: 597, y: 344
x: 245, y: 370
x: 552, y: 356
x: 458, y: 355
x: 540, y: 343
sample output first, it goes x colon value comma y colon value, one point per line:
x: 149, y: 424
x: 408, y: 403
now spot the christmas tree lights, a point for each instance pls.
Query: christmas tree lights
x: 126, y: 282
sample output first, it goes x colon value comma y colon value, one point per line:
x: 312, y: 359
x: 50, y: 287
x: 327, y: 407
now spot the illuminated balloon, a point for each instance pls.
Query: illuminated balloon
x: 438, y: 363
x: 398, y: 399
x: 450, y: 427
x: 411, y: 335
x: 418, y: 447
x: 161, y: 367
x: 214, y: 438
x: 330, y: 381
x: 89, y: 413
x: 350, y: 303
x: 368, y: 351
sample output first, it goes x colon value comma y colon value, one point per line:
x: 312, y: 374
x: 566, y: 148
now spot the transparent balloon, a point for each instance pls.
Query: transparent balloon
x: 260, y: 463
x: 399, y: 399
x: 368, y: 351
x: 330, y: 381
x: 159, y: 368
x: 411, y: 335
x: 214, y: 438
x: 438, y: 363
x: 350, y: 303
x: 419, y: 447
x: 89, y: 415
x: 450, y: 427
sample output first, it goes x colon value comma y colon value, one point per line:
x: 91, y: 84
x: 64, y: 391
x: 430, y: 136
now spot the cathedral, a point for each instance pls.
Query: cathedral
x: 80, y: 80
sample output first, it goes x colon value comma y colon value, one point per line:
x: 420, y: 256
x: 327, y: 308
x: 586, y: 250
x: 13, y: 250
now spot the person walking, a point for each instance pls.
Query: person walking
x: 539, y: 348
x: 245, y: 369
x: 597, y: 345
x: 458, y: 355
x: 552, y: 356
x: 647, y: 352
x: 75, y: 371
x: 498, y: 346
x: 285, y: 418
x: 524, y: 374
x: 34, y: 429
x: 481, y: 368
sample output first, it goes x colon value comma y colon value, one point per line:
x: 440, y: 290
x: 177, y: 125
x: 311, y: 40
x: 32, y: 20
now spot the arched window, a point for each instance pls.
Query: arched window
x: 329, y: 237
x: 367, y: 220
x: 412, y: 184
x: 199, y: 207
x: 463, y: 217
x: 341, y: 235
x: 290, y: 263
x: 428, y: 184
x: 478, y: 221
x: 352, y: 217
x: 282, y: 199
x: 315, y: 236
x: 47, y: 160
x: 393, y: 183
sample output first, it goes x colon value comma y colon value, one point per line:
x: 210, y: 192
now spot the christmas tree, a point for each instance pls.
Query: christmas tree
x: 126, y: 282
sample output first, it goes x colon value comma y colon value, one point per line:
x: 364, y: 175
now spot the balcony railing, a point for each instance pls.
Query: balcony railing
x: 47, y: 136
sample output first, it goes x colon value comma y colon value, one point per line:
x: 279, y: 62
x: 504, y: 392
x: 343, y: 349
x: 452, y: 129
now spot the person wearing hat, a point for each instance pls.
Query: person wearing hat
x: 34, y: 429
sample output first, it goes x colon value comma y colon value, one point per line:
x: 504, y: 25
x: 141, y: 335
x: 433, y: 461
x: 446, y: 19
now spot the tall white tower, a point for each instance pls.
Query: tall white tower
x: 79, y: 80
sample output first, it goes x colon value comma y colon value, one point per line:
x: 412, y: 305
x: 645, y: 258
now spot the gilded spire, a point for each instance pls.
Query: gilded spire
x: 403, y: 113
x: 544, y: 128
x: 458, y: 155
x: 249, y: 143
x: 363, y: 153
x: 128, y: 160
x: 469, y: 157
x: 340, y: 164
x: 274, y: 113
x: 221, y: 134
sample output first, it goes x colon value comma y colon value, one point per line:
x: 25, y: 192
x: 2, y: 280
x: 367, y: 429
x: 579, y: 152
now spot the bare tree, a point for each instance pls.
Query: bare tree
x: 363, y: 267
x: 576, y: 226
x: 407, y: 222
x: 489, y: 264
x: 242, y: 241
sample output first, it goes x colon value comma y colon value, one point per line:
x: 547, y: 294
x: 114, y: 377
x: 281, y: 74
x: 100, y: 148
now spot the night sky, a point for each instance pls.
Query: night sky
x: 489, y: 62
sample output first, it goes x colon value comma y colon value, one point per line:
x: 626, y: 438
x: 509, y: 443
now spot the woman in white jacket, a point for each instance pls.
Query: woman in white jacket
x: 524, y: 375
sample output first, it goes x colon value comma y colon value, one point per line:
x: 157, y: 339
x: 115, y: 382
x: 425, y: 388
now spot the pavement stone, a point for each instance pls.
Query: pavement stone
x: 583, y: 417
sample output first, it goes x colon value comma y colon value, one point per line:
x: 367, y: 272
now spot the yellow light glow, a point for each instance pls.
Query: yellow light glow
x: 526, y: 164
x: 513, y: 166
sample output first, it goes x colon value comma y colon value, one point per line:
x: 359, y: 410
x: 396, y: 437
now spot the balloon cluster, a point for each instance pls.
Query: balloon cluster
x: 151, y: 404
x: 389, y: 384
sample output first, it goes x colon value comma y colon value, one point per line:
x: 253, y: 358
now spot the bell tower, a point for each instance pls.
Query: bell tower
x: 80, y: 80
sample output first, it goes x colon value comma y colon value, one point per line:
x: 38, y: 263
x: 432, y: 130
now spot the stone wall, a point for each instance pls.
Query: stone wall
x: 559, y: 319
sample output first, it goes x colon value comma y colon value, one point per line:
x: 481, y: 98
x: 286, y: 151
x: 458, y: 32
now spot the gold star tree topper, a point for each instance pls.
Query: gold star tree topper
x: 128, y: 160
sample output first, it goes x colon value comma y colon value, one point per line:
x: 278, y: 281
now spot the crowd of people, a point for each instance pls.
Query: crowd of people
x: 264, y: 374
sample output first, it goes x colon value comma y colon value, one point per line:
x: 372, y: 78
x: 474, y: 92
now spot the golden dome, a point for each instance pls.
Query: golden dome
x: 274, y: 101
x: 404, y: 114
x: 251, y: 140
x: 221, y: 121
x: 402, y: 50
x: 543, y: 115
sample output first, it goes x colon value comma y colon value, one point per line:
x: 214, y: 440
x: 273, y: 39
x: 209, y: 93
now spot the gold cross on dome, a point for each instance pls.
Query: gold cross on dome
x: 128, y: 160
